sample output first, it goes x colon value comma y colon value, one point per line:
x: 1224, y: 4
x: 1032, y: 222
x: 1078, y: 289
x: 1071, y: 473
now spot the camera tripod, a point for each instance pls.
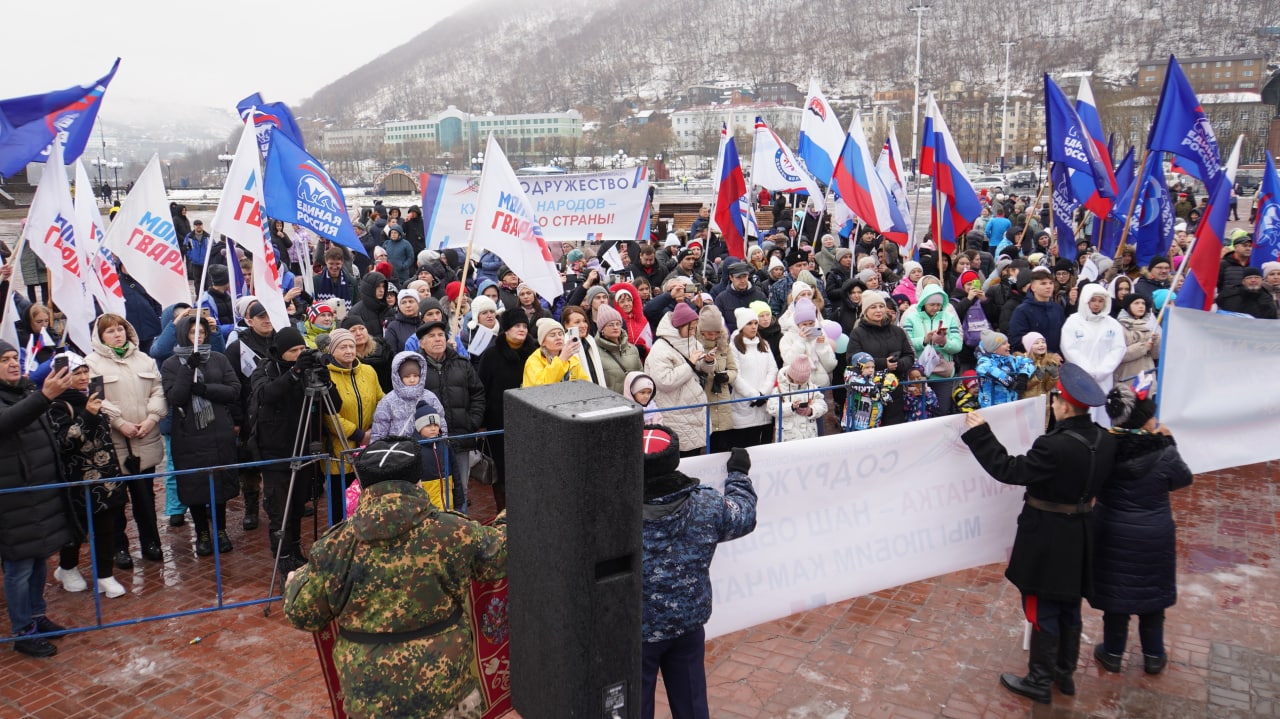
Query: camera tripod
x: 316, y: 404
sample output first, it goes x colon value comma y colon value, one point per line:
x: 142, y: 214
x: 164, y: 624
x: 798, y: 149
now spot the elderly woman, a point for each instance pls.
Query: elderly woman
x: 557, y: 357
x: 484, y: 313
x: 201, y: 387
x: 134, y: 402
x: 618, y: 356
x: 888, y: 345
x: 358, y: 387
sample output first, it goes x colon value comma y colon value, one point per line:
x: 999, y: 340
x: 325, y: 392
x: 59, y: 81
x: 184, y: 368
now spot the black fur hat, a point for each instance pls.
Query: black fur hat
x: 389, y: 459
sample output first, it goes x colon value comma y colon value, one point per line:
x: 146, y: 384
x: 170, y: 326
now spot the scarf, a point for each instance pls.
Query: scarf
x: 121, y: 350
x: 201, y: 408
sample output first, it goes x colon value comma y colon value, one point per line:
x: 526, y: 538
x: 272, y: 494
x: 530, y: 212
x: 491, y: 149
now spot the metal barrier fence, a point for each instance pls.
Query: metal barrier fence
x: 335, y: 485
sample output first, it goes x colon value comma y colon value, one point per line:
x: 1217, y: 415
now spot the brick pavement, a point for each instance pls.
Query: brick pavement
x: 928, y: 649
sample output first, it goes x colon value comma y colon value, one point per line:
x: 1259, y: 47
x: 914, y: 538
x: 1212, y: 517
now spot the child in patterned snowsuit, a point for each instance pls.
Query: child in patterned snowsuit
x: 869, y: 392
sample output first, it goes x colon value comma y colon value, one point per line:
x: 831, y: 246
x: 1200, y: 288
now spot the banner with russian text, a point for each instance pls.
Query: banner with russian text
x: 143, y: 239
x: 591, y: 207
x: 851, y: 514
x: 1218, y: 393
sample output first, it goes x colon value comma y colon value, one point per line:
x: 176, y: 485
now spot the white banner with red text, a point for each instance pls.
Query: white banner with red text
x: 847, y: 515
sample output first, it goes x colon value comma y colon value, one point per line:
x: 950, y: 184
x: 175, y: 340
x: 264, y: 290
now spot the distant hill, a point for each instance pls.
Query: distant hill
x: 517, y: 56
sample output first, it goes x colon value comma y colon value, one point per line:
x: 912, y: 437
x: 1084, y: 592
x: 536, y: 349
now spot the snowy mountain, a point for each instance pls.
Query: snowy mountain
x: 519, y: 56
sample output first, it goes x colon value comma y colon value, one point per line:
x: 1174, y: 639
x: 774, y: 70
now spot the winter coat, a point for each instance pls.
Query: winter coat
x: 1256, y: 303
x: 245, y: 351
x: 539, y: 370
x: 395, y: 411
x: 617, y: 359
x: 132, y: 393
x: 1140, y: 353
x: 456, y: 384
x: 501, y: 369
x: 918, y: 325
x: 33, y: 524
x: 821, y: 354
x: 726, y: 364
x: 396, y: 565
x: 731, y: 299
x: 87, y: 454
x: 756, y: 376
x: 795, y: 426
x: 369, y: 308
x: 141, y: 310
x: 398, y: 331
x: 360, y: 392
x: 589, y: 358
x: 343, y: 288
x: 680, y: 534
x: 880, y: 341
x: 280, y: 398
x: 1045, y: 378
x: 1096, y: 342
x: 997, y: 375
x: 639, y: 333
x: 1135, y: 570
x: 403, y: 260
x: 378, y: 357
x: 678, y: 385
x: 162, y: 346
x: 215, y: 444
x: 1052, y: 554
x: 1031, y: 315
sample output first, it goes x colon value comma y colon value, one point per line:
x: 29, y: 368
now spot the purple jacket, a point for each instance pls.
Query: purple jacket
x: 394, y: 414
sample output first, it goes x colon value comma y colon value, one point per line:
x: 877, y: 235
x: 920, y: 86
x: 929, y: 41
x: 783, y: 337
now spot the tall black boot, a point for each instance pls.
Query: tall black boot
x: 1068, y: 659
x: 1039, y: 679
x: 250, y: 511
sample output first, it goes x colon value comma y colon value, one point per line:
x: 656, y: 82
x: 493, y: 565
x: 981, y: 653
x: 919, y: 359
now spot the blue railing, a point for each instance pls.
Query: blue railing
x: 335, y: 492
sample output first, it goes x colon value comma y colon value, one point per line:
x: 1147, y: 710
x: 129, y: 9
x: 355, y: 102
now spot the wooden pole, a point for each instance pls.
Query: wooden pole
x: 1035, y: 203
x: 1133, y: 203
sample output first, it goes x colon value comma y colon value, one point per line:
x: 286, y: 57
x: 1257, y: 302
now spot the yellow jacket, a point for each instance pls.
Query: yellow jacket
x: 359, y: 389
x: 538, y: 370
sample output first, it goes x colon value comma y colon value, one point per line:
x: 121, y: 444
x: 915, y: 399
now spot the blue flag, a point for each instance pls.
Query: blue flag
x: 28, y: 124
x: 1113, y: 228
x: 1181, y: 127
x: 1064, y: 206
x: 1266, y: 234
x: 1154, y: 219
x: 1069, y: 143
x: 267, y: 117
x: 296, y: 188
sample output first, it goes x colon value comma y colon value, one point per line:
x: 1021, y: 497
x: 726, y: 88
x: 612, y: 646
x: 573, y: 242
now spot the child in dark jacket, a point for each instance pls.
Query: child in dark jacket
x: 435, y: 464
x: 921, y: 402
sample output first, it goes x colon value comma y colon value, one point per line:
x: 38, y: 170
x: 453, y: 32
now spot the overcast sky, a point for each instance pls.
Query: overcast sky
x: 209, y: 54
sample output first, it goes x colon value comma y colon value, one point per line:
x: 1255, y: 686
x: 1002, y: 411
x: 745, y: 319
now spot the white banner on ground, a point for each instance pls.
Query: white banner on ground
x: 570, y: 208
x: 1218, y: 393
x: 848, y: 515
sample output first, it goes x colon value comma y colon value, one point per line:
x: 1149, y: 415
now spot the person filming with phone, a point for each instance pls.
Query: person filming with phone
x: 557, y: 357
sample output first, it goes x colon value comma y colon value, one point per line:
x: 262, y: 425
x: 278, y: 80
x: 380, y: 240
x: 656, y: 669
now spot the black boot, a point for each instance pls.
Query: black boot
x: 224, y: 543
x: 1039, y: 679
x: 291, y: 558
x: 1110, y: 662
x: 1154, y: 665
x: 1068, y: 659
x: 204, y: 544
x: 250, y: 511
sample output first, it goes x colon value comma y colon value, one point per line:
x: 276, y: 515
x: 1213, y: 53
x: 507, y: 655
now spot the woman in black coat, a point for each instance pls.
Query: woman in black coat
x: 878, y: 336
x: 203, y: 393
x: 371, y: 305
x: 1135, y: 562
x: 501, y: 369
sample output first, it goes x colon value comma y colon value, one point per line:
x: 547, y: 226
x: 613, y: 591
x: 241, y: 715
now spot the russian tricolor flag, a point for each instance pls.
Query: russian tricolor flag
x: 860, y: 187
x: 1087, y: 109
x: 731, y: 186
x: 940, y: 159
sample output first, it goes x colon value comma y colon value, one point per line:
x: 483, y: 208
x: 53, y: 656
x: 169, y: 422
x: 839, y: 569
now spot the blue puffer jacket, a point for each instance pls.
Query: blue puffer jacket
x: 1135, y: 559
x: 996, y: 375
x: 681, y: 531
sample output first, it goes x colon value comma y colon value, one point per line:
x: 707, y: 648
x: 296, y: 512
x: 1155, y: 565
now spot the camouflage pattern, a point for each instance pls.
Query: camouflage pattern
x: 396, y: 565
x: 681, y: 531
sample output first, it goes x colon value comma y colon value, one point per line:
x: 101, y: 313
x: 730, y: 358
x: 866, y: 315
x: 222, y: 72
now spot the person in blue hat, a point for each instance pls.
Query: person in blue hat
x: 1051, y: 563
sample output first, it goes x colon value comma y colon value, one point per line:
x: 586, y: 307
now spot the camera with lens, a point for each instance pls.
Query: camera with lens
x: 315, y: 372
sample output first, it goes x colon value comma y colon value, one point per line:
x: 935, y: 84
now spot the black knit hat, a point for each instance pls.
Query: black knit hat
x: 511, y: 318
x: 286, y: 339
x: 352, y: 320
x: 389, y: 459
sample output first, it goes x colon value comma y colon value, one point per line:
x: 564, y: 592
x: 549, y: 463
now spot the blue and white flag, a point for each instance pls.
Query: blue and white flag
x: 269, y: 116
x: 296, y: 188
x: 29, y: 124
x: 821, y: 139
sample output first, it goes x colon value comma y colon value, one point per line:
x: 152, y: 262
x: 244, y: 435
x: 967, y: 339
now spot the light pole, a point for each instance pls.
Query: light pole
x: 1039, y: 150
x: 919, y: 9
x: 226, y: 158
x: 99, y: 163
x: 168, y: 167
x: 621, y: 158
x: 115, y: 164
x: 477, y: 161
x: 1004, y: 114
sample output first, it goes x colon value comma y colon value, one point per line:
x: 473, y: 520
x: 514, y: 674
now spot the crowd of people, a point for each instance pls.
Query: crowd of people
x: 811, y: 333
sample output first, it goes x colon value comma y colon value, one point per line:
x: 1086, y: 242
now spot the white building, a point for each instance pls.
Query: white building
x: 693, y: 127
x: 454, y: 130
x: 360, y: 138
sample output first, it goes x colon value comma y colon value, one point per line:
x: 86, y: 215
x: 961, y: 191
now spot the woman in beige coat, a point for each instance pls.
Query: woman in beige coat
x: 133, y: 399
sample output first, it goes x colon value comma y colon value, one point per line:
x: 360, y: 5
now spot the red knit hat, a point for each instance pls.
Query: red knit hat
x: 452, y: 290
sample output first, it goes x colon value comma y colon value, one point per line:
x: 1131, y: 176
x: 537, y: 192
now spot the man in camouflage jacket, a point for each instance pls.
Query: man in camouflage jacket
x: 683, y: 523
x: 395, y: 576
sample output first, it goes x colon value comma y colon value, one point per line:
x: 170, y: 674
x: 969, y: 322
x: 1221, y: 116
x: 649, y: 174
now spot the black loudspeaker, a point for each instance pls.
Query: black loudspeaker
x: 575, y: 474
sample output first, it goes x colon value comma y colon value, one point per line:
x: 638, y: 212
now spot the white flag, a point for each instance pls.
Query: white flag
x: 505, y: 225
x: 773, y: 167
x: 100, y: 274
x: 51, y: 235
x: 1233, y: 160
x: 821, y: 138
x: 143, y: 238
x: 240, y: 218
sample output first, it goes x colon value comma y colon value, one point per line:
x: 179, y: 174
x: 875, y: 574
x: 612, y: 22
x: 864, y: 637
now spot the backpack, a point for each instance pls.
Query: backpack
x: 973, y: 323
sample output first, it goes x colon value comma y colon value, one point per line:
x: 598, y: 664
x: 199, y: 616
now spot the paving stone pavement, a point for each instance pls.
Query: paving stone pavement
x: 928, y: 649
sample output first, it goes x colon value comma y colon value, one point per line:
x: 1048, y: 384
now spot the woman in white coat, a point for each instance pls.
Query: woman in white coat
x: 1094, y: 340
x: 133, y: 399
x: 757, y: 373
x: 807, y: 337
x: 674, y: 363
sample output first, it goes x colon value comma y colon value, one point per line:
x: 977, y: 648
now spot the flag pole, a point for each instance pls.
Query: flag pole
x: 1035, y: 203
x: 1186, y: 260
x: 1133, y: 203
x: 456, y: 321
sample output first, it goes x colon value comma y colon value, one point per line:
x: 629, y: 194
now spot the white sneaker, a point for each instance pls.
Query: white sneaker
x: 71, y: 579
x: 110, y: 587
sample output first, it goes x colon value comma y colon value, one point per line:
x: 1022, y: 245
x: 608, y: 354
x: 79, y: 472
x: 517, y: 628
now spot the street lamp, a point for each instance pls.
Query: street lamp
x: 1039, y: 151
x: 477, y: 161
x: 1004, y: 114
x: 224, y: 157
x: 919, y: 9
x: 620, y: 158
x: 168, y: 166
x: 115, y: 164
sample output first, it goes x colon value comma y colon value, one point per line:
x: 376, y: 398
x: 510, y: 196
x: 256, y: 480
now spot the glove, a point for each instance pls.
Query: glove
x: 1020, y: 384
x: 305, y: 361
x: 194, y: 360
x: 739, y: 461
x: 198, y: 389
x: 757, y: 402
x: 322, y: 375
x: 357, y: 438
